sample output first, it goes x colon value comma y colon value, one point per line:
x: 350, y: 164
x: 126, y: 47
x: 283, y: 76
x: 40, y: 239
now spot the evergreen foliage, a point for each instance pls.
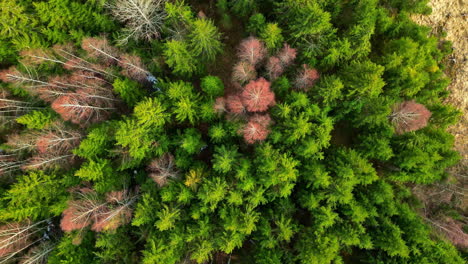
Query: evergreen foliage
x: 212, y: 86
x: 292, y: 131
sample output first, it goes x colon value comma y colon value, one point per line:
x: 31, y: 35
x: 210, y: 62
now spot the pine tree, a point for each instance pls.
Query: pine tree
x: 224, y: 158
x: 37, y: 119
x: 180, y: 58
x: 212, y: 86
x: 151, y: 113
x: 205, y: 40
x: 36, y: 195
x: 167, y: 217
x: 272, y: 37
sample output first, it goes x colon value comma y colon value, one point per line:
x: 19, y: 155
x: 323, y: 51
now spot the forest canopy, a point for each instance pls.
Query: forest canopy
x: 229, y: 131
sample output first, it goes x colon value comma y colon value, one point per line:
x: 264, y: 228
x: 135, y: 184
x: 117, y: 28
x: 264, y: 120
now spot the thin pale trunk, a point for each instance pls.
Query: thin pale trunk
x: 48, y: 161
x: 110, y: 56
x: 88, y: 106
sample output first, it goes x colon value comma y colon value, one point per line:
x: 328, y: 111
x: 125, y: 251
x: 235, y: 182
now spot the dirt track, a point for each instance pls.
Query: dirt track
x: 451, y: 16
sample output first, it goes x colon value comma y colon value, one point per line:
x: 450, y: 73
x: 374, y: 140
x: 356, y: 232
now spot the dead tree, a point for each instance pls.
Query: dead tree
x: 252, y: 51
x: 409, y: 116
x: 17, y: 237
x: 58, y: 141
x: 19, y: 143
x: 82, y: 211
x: 257, y: 96
x: 162, y: 169
x: 47, y: 161
x: 119, y: 211
x: 10, y: 109
x: 306, y: 78
x: 452, y: 230
x: 220, y: 105
x: 10, y: 163
x: 82, y: 109
x: 287, y: 55
x: 257, y: 128
x: 65, y: 55
x: 243, y: 72
x: 100, y: 49
x: 38, y: 254
x: 274, y: 68
x: 131, y: 65
x: 87, y: 209
x: 144, y: 19
x: 235, y: 105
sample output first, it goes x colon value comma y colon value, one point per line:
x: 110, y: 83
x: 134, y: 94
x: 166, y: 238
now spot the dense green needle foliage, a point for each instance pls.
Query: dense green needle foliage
x: 269, y: 132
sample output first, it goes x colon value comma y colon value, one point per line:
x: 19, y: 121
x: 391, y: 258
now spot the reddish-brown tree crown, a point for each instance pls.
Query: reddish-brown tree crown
x: 306, y: 78
x: 257, y: 96
x: 220, y: 105
x: 409, y: 116
x: 274, y: 68
x: 243, y: 72
x: 256, y: 129
x: 235, y: 105
x: 162, y: 169
x: 287, y: 55
x: 88, y: 210
x: 252, y: 50
x: 14, y: 237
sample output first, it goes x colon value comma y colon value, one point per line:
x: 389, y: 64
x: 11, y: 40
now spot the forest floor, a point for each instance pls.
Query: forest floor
x: 451, y: 17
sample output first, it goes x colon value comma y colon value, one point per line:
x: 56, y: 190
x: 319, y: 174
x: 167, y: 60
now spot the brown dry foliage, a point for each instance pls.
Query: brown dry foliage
x: 58, y: 142
x: 243, y: 72
x: 20, y: 142
x: 14, y: 237
x: 38, y: 254
x: 452, y: 230
x: 48, y: 161
x: 274, y: 68
x: 256, y: 129
x: 82, y: 110
x: 112, y: 219
x: 409, y: 116
x: 220, y: 105
x: 34, y: 57
x: 162, y: 169
x: 235, y: 105
x: 306, y: 78
x: 287, y: 55
x: 252, y: 51
x: 257, y: 96
x: 133, y: 68
x: 100, y: 49
x: 10, y: 75
x: 89, y: 210
x: 264, y: 119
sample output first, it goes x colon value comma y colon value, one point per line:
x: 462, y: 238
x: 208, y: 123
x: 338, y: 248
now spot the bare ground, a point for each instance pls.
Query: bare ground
x: 450, y: 17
